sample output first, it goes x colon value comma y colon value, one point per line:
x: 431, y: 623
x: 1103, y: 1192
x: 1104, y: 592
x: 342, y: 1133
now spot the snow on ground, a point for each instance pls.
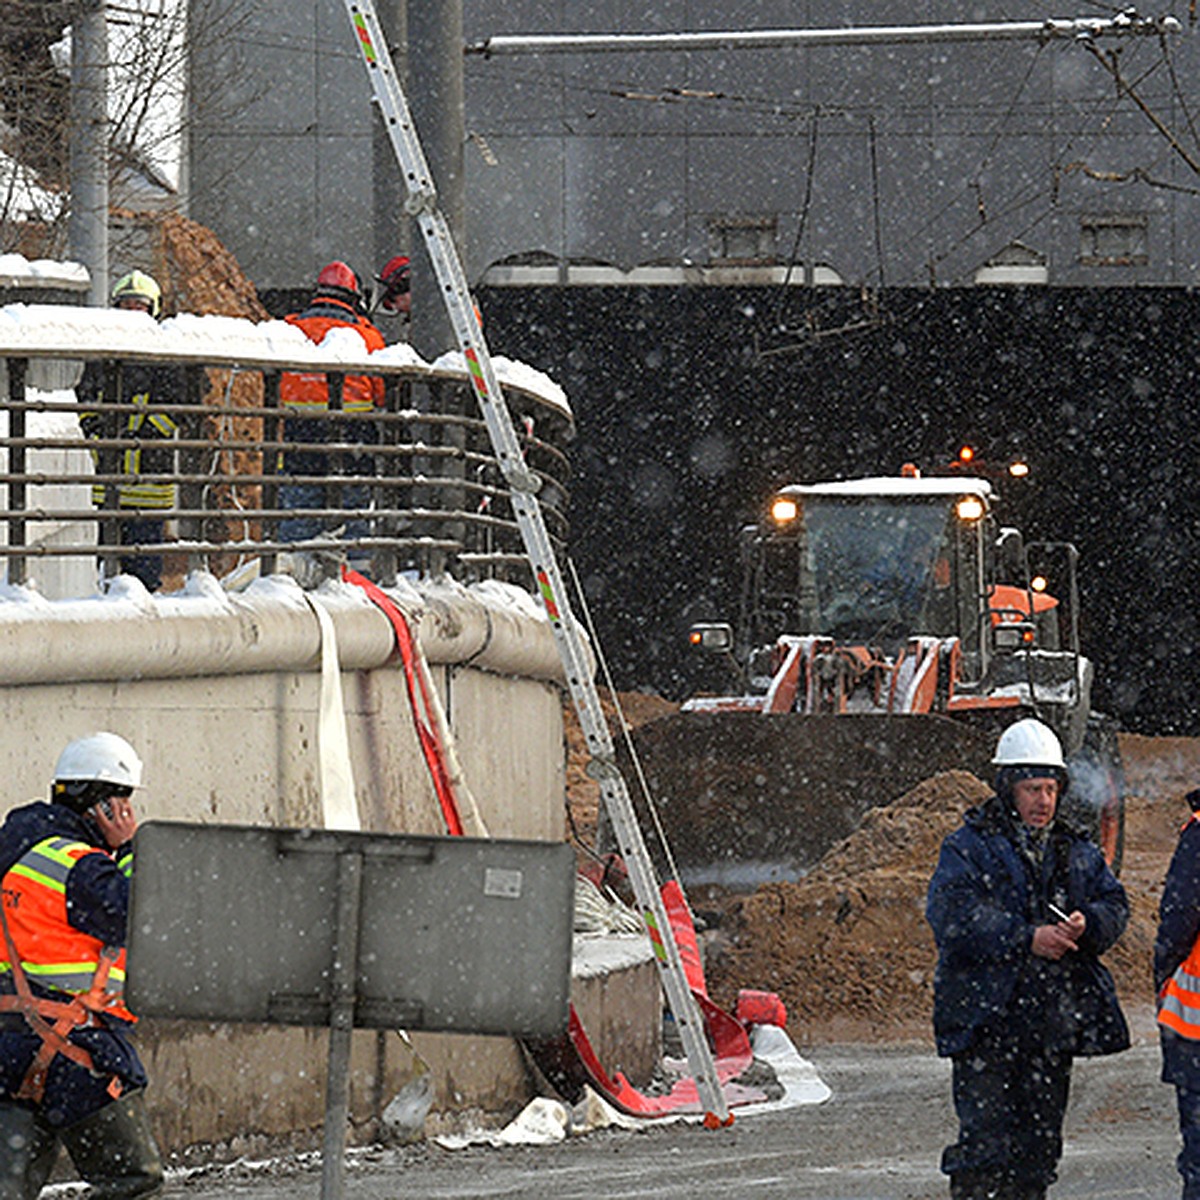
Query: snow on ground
x: 544, y: 1121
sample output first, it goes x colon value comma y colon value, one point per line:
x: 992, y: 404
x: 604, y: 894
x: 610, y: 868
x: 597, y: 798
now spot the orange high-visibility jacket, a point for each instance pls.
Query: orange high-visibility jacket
x: 1179, y: 1003
x: 1179, y: 998
x: 53, y: 953
x: 310, y: 390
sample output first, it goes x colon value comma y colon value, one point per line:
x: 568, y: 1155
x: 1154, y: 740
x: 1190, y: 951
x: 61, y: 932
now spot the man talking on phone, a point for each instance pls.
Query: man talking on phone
x: 69, y: 1073
x: 1022, y: 905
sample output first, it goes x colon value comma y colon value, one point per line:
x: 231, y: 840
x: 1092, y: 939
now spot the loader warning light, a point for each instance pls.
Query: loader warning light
x: 784, y: 510
x: 1018, y: 469
x: 1038, y: 583
x: 969, y: 508
x: 966, y: 454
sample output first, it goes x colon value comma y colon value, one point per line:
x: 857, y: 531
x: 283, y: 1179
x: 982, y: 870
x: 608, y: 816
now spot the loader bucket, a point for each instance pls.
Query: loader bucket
x: 746, y: 798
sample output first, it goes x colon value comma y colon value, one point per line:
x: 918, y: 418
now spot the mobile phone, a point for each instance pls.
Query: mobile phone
x: 106, y: 807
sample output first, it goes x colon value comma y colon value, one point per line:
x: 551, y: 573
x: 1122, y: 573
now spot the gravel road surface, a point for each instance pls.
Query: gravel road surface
x: 878, y: 1138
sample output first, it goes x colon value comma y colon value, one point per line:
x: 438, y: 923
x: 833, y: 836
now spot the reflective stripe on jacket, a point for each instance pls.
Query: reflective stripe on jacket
x: 53, y: 954
x: 143, y: 385
x: 309, y: 390
x: 1179, y: 1003
x: 141, y: 494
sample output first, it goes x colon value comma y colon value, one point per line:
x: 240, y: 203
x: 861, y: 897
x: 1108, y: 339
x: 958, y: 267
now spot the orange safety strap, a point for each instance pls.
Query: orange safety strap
x: 67, y: 1016
x: 419, y: 701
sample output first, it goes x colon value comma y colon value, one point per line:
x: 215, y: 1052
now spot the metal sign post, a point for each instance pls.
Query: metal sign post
x: 341, y: 1024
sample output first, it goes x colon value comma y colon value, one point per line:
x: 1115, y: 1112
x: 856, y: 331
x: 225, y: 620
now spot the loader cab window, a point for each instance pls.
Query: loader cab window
x: 879, y: 568
x: 873, y: 569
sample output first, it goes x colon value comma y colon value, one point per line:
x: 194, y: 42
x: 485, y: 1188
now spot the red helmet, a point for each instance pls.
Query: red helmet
x: 341, y: 282
x: 396, y: 277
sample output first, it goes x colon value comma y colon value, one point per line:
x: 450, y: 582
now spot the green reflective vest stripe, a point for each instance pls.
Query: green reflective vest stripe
x: 140, y: 494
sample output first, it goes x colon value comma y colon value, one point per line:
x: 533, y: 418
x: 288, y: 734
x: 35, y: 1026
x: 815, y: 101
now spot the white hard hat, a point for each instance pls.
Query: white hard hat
x: 1029, y: 743
x: 103, y: 757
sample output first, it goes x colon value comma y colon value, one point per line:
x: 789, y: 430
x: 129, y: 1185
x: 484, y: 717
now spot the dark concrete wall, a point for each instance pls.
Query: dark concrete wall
x: 896, y: 164
x: 692, y: 407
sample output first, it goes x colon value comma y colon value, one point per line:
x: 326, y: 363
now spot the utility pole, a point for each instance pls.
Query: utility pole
x: 390, y: 232
x: 87, y: 231
x: 435, y: 72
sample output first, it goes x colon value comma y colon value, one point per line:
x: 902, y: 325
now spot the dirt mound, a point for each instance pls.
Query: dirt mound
x: 583, y: 792
x: 848, y: 947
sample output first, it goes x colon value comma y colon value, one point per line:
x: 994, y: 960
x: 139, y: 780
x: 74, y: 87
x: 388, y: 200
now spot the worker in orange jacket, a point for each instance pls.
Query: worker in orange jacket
x: 338, y: 302
x: 1177, y: 981
x: 69, y: 1073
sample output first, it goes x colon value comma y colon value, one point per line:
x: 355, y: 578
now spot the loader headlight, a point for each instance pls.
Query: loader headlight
x: 784, y: 510
x: 969, y: 509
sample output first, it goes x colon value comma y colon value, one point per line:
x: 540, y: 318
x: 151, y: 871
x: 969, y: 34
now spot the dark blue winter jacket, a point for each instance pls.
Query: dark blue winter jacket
x: 1178, y: 928
x: 97, y: 895
x: 984, y: 904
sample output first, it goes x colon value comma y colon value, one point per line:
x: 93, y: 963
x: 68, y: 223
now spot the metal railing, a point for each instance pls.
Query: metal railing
x: 410, y: 486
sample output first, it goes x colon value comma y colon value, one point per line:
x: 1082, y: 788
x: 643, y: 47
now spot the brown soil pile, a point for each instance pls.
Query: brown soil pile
x: 583, y: 793
x: 848, y: 948
x: 198, y: 274
x: 201, y: 275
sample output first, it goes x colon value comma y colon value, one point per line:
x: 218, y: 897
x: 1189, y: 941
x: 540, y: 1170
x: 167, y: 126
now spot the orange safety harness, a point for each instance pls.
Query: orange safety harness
x: 53, y: 1020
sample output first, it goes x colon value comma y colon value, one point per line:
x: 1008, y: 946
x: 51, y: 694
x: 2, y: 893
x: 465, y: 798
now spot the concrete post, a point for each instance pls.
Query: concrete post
x: 390, y: 234
x: 88, y: 227
x: 435, y: 72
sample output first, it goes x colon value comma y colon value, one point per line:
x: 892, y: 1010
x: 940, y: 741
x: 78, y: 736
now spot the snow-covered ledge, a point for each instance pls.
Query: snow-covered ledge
x: 56, y: 331
x: 17, y: 271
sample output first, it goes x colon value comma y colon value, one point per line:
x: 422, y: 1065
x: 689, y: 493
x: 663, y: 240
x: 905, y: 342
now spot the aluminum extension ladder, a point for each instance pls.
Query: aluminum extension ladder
x: 421, y: 203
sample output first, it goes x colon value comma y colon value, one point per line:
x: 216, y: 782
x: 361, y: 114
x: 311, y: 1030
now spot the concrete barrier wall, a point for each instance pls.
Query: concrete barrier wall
x: 221, y: 696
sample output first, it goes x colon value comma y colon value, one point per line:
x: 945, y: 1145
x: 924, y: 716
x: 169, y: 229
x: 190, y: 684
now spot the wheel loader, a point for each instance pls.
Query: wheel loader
x: 889, y: 629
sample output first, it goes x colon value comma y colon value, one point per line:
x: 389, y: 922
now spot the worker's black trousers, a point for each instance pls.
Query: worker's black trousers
x: 1010, y: 1095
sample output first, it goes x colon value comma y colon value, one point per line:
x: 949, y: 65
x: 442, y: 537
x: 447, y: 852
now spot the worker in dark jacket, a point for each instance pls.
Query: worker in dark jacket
x: 1177, y: 982
x: 68, y: 1071
x: 144, y: 386
x: 338, y: 303
x: 1022, y: 906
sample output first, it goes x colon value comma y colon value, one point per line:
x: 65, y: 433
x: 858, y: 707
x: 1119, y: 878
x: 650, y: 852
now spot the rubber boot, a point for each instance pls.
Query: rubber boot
x: 115, y: 1151
x: 28, y: 1148
x: 975, y: 1185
